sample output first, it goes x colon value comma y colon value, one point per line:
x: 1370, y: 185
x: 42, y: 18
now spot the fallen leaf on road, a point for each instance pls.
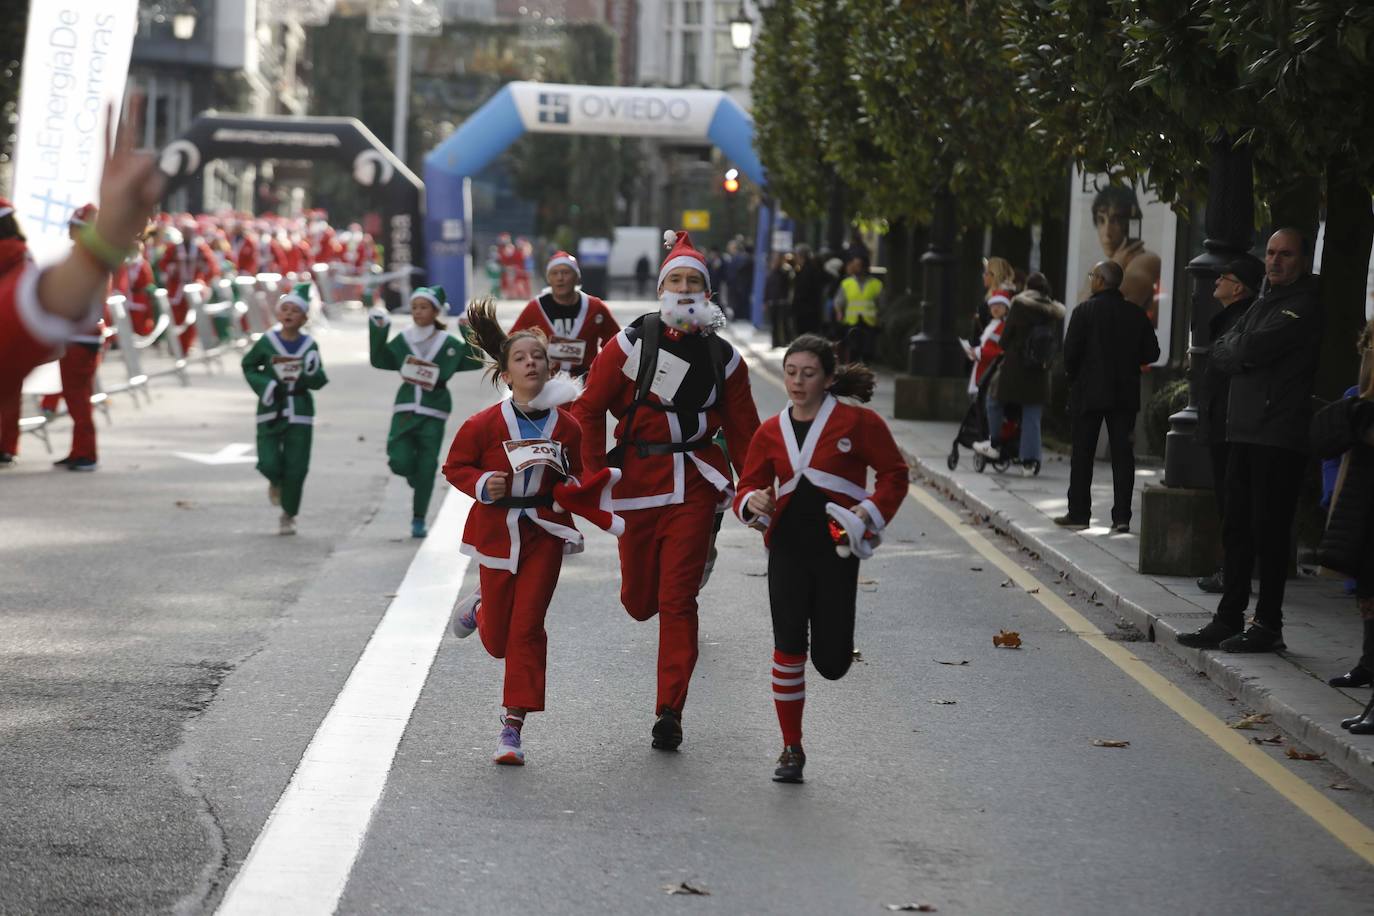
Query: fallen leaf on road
x: 362, y: 438
x: 1007, y: 639
x: 956, y: 664
x: 1110, y: 742
x: 1295, y: 754
x: 1008, y: 584
x: 1032, y: 591
x: 1252, y: 721
x: 911, y: 908
x: 685, y: 888
x: 1276, y: 739
x: 944, y: 702
x: 185, y: 504
x: 759, y: 575
x: 857, y: 656
x: 1339, y: 787
x: 868, y: 581
x: 975, y: 569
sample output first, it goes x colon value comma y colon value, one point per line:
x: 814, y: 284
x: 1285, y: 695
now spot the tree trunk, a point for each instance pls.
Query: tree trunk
x: 1345, y: 271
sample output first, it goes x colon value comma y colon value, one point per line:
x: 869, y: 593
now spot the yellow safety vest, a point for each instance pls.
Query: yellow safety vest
x: 861, y: 304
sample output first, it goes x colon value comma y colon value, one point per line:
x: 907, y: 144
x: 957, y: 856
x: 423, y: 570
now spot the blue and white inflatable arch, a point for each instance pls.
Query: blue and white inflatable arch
x: 523, y: 107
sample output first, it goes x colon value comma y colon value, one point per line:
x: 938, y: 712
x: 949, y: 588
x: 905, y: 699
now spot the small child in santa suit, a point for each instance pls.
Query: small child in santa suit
x: 577, y: 325
x: 804, y: 484
x: 989, y: 342
x: 426, y: 357
x: 283, y: 367
x: 675, y: 476
x: 521, y: 460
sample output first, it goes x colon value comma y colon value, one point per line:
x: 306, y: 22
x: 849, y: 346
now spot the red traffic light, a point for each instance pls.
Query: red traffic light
x: 731, y: 185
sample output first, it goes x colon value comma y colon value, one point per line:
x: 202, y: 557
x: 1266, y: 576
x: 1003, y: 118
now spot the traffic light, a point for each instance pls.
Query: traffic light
x: 731, y: 183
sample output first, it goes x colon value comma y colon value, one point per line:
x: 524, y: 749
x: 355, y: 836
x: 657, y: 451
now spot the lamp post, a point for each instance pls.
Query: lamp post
x: 403, y: 18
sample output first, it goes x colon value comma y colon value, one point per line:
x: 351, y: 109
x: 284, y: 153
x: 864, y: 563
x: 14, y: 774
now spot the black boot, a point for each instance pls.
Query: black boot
x: 1362, y: 675
x: 1210, y: 636
x: 667, y: 731
x: 1363, y: 724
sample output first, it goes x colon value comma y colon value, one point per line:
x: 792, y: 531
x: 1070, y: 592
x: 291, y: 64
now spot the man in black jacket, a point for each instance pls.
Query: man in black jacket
x: 1108, y: 340
x: 808, y: 292
x: 1271, y: 356
x: 1235, y: 291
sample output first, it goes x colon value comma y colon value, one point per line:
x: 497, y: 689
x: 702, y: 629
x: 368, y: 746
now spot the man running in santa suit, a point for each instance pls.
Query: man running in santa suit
x: 576, y: 324
x: 674, y: 475
x: 243, y: 250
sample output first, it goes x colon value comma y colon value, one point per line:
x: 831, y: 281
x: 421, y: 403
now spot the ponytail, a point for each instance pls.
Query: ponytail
x: 852, y: 380
x: 485, y: 333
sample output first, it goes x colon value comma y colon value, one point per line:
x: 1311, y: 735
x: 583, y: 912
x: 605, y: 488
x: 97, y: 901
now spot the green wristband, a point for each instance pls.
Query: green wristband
x: 104, y: 253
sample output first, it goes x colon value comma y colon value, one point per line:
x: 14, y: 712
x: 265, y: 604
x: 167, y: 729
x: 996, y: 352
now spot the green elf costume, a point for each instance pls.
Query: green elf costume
x: 426, y: 358
x: 282, y: 371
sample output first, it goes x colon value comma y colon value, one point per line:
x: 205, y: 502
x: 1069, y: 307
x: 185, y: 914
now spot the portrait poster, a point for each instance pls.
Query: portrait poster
x: 1129, y: 225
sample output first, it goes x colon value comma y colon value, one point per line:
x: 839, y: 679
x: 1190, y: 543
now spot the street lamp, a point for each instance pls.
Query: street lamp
x: 741, y: 30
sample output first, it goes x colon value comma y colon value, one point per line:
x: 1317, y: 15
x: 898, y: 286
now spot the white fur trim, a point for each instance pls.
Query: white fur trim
x: 566, y: 261
x: 685, y: 260
x: 45, y: 326
x: 481, y: 487
x: 428, y: 297
x: 268, y: 393
x: 559, y: 390
x: 876, y: 522
x: 5, y: 211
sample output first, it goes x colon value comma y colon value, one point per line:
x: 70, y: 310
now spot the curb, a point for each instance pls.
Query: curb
x: 1146, y: 604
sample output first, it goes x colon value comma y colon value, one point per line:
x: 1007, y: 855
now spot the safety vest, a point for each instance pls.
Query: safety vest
x: 861, y: 303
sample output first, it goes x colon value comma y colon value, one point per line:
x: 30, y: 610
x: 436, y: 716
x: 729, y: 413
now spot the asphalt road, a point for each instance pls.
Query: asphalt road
x: 165, y: 659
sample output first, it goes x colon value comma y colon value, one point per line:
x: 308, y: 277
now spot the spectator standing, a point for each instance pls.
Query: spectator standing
x: 856, y: 307
x: 1235, y: 289
x: 1270, y: 355
x: 808, y: 292
x: 642, y: 268
x: 1108, y: 340
x: 999, y: 283
x: 741, y: 280
x: 1030, y: 340
x: 777, y: 298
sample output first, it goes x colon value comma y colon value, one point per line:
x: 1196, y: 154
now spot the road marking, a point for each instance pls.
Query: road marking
x: 301, y: 861
x: 233, y: 453
x: 1328, y: 815
x: 1331, y: 817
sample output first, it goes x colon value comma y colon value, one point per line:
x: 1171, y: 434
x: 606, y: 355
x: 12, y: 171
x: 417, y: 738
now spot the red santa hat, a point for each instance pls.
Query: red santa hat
x: 682, y: 253
x: 565, y: 259
x: 851, y: 535
x: 591, y: 499
x: 6, y: 208
x: 83, y: 214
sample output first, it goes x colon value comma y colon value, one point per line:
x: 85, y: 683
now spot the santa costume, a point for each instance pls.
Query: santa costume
x: 519, y: 540
x: 134, y: 281
x: 426, y: 359
x: 188, y: 259
x: 675, y: 475
x: 817, y: 470
x: 576, y: 331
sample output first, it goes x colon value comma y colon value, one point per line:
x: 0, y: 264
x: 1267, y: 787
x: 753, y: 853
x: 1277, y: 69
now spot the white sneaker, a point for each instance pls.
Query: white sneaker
x: 986, y: 449
x: 288, y: 524
x: 1027, y: 470
x: 465, y: 615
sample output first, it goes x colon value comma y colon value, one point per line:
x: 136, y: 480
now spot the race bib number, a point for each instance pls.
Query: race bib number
x: 288, y: 368
x: 524, y: 454
x: 669, y: 375
x: 567, y: 350
x: 420, y: 372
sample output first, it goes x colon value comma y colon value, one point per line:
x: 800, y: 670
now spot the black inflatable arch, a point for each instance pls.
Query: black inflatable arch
x: 342, y: 140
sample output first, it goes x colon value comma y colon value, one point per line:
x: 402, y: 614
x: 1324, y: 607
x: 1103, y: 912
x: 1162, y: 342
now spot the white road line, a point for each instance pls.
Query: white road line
x: 301, y: 861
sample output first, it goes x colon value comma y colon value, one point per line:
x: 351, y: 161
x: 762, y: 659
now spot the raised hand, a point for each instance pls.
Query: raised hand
x: 131, y: 185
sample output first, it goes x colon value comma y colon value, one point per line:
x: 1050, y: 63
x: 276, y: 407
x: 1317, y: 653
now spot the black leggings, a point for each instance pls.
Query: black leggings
x: 811, y: 586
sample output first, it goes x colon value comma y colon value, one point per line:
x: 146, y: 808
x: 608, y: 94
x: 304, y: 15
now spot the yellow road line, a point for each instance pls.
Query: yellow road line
x: 1328, y: 815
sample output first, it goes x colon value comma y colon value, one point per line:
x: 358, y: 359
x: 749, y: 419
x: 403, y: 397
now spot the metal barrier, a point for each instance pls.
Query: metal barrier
x: 131, y: 348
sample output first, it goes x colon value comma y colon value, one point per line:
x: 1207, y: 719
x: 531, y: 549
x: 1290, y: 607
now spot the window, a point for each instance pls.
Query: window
x: 691, y: 12
x: 726, y: 61
x: 691, y: 55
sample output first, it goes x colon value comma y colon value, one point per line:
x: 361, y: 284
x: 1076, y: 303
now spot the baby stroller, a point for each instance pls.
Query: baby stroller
x: 974, y: 428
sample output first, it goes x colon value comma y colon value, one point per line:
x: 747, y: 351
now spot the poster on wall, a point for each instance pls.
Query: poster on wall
x: 1129, y: 225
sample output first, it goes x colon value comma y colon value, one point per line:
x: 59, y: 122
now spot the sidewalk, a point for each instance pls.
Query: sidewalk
x: 1321, y: 626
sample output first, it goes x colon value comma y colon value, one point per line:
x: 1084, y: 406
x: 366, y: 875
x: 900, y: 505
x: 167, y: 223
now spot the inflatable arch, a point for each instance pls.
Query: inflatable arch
x: 691, y: 115
x: 342, y: 140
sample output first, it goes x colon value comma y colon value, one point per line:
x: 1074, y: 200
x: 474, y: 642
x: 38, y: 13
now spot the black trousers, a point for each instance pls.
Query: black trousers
x: 810, y: 587
x: 1121, y: 437
x: 1220, y: 453
x: 1262, y: 487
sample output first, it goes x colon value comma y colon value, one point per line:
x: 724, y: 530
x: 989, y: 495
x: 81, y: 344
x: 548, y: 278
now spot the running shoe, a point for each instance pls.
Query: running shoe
x: 6, y: 460
x: 82, y: 464
x: 63, y: 462
x: 288, y: 524
x: 667, y: 731
x: 508, y: 751
x: 790, y: 764
x: 988, y: 450
x: 274, y: 494
x: 465, y: 615
x: 417, y: 528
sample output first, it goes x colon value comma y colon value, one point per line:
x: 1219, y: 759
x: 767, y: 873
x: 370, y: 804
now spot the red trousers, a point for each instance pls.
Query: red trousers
x: 511, y: 617
x: 662, y: 559
x: 78, y: 365
x: 10, y: 405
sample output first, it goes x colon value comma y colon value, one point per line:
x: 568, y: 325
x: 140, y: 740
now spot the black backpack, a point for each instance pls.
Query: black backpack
x: 1042, y: 343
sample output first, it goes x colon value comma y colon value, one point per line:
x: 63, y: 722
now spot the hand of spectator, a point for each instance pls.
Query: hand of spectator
x: 760, y: 502
x: 130, y: 186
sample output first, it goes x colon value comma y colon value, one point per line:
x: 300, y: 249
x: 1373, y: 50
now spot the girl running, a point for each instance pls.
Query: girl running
x: 283, y: 367
x: 804, y: 486
x: 426, y: 358
x: 521, y: 460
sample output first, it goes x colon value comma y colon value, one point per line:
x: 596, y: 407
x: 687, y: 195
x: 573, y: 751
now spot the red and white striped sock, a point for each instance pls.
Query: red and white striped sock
x: 789, y: 694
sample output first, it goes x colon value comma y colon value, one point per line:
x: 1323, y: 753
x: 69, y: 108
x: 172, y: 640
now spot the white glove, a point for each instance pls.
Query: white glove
x: 378, y: 316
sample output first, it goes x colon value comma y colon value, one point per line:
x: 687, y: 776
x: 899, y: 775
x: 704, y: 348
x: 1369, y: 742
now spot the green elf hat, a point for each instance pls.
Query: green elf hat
x: 299, y: 297
x: 434, y: 294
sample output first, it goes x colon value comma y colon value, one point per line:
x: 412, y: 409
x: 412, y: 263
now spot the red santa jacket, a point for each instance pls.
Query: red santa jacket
x: 181, y: 264
x: 492, y: 532
x: 132, y: 280
x: 243, y: 251
x: 689, y: 381
x: 574, y: 343
x: 29, y: 336
x: 843, y: 443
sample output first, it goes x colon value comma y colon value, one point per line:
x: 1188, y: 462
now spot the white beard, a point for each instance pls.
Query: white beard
x: 691, y: 312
